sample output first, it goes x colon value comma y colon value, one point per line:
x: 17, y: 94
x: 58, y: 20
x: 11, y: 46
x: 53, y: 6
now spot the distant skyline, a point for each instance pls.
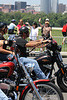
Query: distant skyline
x: 31, y: 2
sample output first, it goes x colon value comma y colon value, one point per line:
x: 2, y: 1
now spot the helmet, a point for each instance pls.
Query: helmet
x: 24, y: 29
x: 3, y: 25
x: 13, y: 20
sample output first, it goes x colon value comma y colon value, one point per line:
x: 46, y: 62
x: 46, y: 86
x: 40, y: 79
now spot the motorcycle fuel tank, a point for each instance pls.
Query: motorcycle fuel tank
x: 44, y: 58
x: 6, y: 69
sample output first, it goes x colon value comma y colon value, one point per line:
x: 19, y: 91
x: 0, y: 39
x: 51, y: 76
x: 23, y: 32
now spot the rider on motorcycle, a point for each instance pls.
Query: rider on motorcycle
x: 4, y: 57
x: 3, y: 52
x: 22, y: 44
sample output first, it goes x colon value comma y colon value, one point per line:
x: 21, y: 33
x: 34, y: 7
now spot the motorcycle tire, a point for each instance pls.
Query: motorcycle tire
x: 62, y: 82
x: 48, y: 91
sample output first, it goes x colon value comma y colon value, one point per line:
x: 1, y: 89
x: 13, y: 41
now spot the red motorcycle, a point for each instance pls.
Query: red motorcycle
x: 27, y: 89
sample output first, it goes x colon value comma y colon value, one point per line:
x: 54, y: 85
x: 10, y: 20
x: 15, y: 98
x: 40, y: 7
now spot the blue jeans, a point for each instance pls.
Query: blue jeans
x: 33, y: 63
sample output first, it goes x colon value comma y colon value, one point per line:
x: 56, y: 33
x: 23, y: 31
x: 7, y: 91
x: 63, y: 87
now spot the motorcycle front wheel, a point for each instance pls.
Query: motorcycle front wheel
x: 48, y: 91
x: 62, y: 81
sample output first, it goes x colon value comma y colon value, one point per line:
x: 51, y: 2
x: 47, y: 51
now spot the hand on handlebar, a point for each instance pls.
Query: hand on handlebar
x: 46, y: 41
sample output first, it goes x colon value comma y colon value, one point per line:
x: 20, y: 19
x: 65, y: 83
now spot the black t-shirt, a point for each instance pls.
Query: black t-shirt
x: 21, y: 46
x: 1, y: 37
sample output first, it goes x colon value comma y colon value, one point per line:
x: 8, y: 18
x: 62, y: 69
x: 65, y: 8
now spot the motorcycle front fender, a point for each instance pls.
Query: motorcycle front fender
x: 35, y: 83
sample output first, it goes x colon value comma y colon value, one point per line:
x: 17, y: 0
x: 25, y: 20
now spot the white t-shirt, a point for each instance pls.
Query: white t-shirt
x: 33, y: 33
x: 11, y: 26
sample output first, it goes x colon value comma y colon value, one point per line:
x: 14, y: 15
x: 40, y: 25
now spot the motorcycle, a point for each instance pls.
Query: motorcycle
x: 33, y: 90
x: 47, y: 60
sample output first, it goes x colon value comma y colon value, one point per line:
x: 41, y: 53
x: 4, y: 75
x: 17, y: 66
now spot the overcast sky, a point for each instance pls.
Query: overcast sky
x: 28, y: 1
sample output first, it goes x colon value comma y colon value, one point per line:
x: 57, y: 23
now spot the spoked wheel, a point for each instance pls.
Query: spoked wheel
x: 47, y: 91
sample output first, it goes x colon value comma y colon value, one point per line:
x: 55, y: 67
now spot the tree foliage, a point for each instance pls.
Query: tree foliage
x: 56, y: 20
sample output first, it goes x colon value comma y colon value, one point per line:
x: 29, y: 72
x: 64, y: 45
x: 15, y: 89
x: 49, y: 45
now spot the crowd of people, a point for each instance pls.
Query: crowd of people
x: 45, y: 29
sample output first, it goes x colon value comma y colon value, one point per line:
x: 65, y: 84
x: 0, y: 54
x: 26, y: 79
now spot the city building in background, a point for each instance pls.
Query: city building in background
x: 45, y: 6
x: 36, y: 8
x: 6, y: 8
x: 49, y: 6
x: 29, y: 7
x: 33, y: 7
x: 66, y: 8
x: 54, y: 6
x: 20, y: 5
x: 62, y: 8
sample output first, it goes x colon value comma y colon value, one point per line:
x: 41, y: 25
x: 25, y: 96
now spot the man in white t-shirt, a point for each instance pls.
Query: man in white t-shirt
x: 34, y: 31
x: 12, y: 26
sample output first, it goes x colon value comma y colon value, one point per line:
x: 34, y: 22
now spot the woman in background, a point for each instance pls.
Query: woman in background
x: 34, y: 31
x: 20, y: 24
x: 46, y: 29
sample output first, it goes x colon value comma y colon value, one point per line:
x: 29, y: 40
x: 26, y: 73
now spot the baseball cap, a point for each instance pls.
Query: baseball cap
x: 13, y: 20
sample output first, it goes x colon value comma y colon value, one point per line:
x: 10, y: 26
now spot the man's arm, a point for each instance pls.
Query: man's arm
x: 5, y: 51
x: 35, y: 43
